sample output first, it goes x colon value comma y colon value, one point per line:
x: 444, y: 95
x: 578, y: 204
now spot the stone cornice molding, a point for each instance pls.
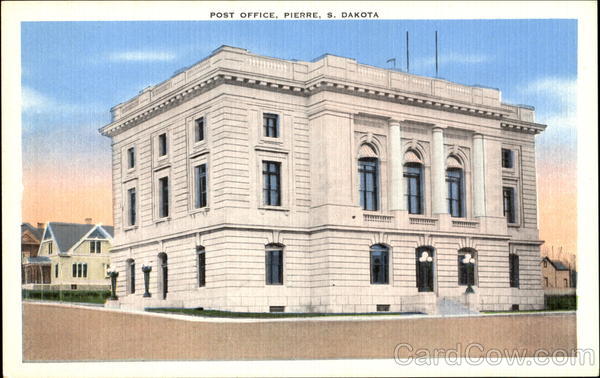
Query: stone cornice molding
x: 194, y: 89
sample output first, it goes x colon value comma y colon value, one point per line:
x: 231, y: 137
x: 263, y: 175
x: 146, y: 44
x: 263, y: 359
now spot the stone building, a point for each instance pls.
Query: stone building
x: 250, y: 183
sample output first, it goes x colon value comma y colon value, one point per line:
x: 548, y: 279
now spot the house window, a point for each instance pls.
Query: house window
x: 131, y: 216
x: 508, y: 197
x: 507, y: 158
x: 201, y: 266
x: 274, y: 265
x: 200, y: 198
x: 163, y: 200
x: 271, y: 125
x: 454, y: 179
x: 413, y: 180
x: 514, y: 269
x: 162, y: 144
x: 566, y: 282
x: 425, y: 268
x: 56, y: 271
x: 368, y: 192
x: 80, y: 270
x: 131, y: 276
x: 131, y: 158
x: 199, y: 129
x: 379, y: 264
x: 466, y: 269
x: 271, y: 183
x: 546, y: 281
x: 545, y: 264
x: 50, y: 248
x: 95, y: 246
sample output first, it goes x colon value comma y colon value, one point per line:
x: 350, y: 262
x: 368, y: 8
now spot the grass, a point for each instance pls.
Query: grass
x: 80, y: 296
x: 272, y: 315
x: 521, y: 311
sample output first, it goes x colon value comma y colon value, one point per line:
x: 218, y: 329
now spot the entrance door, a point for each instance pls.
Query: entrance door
x: 164, y: 274
x: 425, y: 268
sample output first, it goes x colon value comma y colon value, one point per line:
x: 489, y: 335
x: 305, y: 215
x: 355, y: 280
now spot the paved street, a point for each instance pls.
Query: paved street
x: 54, y: 333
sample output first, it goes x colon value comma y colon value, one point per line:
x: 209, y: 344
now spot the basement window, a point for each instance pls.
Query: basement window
x: 383, y: 308
x: 276, y: 308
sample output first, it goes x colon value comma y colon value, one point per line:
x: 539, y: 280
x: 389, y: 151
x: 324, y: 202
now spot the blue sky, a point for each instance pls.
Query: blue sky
x: 74, y: 72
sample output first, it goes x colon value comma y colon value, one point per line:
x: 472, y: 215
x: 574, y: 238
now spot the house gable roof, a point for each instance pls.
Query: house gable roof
x: 556, y: 264
x: 91, y: 232
x: 35, y: 232
x: 67, y: 234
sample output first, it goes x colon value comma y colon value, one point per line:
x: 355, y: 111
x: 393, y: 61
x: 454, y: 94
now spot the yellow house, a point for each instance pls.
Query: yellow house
x: 77, y: 254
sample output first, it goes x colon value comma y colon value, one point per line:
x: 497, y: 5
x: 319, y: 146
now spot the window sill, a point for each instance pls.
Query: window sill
x: 275, y: 208
x: 198, y: 148
x: 201, y: 210
x: 513, y: 225
x: 129, y: 228
x: 162, y: 220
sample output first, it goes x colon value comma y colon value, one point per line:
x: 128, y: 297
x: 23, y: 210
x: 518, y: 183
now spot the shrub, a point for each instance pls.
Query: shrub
x: 560, y: 302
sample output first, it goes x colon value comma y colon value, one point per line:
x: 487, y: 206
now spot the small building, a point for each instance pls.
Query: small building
x: 30, y: 243
x: 75, y: 256
x: 555, y: 275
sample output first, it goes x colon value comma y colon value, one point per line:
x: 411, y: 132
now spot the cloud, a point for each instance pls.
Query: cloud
x: 556, y: 93
x: 142, y: 56
x: 38, y: 103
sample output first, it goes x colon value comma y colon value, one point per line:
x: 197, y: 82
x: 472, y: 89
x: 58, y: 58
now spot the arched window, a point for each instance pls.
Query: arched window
x: 425, y: 268
x: 130, y: 275
x: 413, y: 178
x: 368, y: 171
x: 274, y: 264
x: 380, y: 264
x: 467, y: 260
x: 455, y: 194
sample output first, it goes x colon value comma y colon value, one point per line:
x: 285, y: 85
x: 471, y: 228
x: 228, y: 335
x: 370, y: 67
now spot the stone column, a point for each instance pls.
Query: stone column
x: 478, y: 176
x: 438, y: 175
x: 396, y: 173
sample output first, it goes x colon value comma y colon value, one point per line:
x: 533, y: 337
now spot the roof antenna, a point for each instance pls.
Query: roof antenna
x: 407, y: 60
x: 436, y: 54
x: 392, y: 60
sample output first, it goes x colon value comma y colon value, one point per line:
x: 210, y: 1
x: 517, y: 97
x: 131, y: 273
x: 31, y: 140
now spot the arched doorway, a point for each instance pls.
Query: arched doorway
x: 163, y: 275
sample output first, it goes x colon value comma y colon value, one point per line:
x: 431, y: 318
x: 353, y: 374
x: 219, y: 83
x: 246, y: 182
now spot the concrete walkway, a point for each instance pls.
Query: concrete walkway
x: 55, y: 332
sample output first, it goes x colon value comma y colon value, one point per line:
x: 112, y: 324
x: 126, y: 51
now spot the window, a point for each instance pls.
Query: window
x: 379, y: 264
x: 382, y: 307
x: 545, y: 264
x: 412, y: 177
x: 514, y: 269
x: 466, y: 269
x: 56, y: 271
x: 131, y: 158
x: 79, y: 270
x: 199, y: 129
x: 454, y: 179
x: 200, y: 199
x: 50, y: 248
x: 424, y: 265
x: 276, y: 308
x: 367, y: 172
x: 162, y: 144
x: 95, y: 246
x: 507, y: 158
x: 201, y: 266
x: 271, y: 125
x: 546, y: 281
x: 130, y: 276
x: 508, y: 197
x: 163, y: 200
x: 271, y: 183
x: 131, y: 216
x: 274, y: 265
x: 566, y: 282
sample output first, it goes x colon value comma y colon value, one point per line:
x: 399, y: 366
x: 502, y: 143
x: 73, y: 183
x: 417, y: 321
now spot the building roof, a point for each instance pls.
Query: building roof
x: 37, y: 232
x: 66, y: 235
x: 38, y: 260
x: 556, y: 264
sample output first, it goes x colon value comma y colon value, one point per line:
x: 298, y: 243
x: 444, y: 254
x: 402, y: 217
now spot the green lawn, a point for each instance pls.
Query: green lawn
x: 67, y: 295
x: 275, y: 315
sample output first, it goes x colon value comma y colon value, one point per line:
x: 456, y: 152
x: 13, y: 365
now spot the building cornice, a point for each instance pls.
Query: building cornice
x: 152, y: 102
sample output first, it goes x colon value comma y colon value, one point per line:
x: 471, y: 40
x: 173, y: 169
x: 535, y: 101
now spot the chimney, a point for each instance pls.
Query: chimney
x: 88, y: 220
x: 41, y: 225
